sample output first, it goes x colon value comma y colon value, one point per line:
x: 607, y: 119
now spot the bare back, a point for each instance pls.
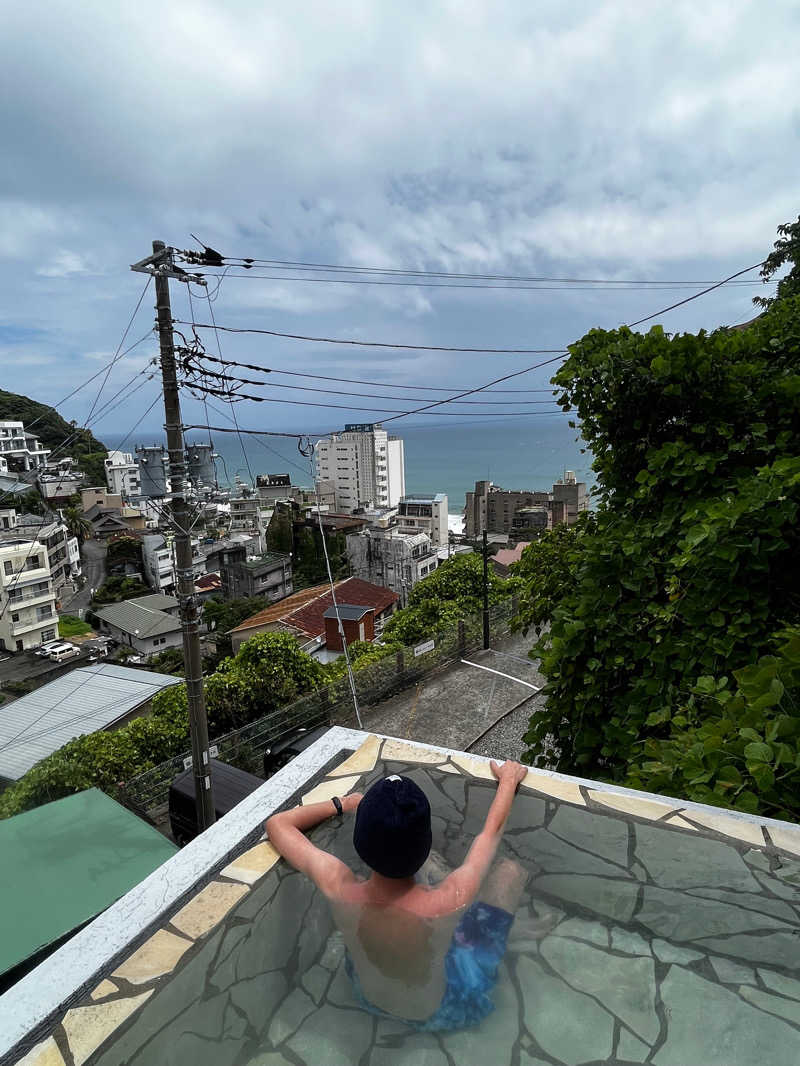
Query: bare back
x: 398, y: 949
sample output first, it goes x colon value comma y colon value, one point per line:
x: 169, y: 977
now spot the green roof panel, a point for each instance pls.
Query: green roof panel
x: 64, y: 863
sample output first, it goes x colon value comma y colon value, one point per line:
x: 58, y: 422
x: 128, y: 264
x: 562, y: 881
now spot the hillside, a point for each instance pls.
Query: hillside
x: 53, y: 431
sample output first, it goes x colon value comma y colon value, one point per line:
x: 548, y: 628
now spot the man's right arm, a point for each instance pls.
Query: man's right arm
x: 463, y: 884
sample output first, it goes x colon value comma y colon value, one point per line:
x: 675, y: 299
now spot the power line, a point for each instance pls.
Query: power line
x: 246, y: 263
x: 373, y: 344
x: 346, y: 392
x: 351, y: 381
x: 119, y: 348
x: 688, y: 299
x: 505, y: 287
x: 230, y: 395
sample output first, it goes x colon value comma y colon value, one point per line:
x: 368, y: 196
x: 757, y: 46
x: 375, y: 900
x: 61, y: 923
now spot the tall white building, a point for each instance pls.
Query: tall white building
x: 21, y: 450
x: 27, y: 600
x: 365, y: 466
x: 122, y: 474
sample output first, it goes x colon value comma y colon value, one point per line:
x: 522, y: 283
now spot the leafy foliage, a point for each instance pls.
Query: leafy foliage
x: 443, y: 598
x: 122, y: 550
x: 690, y: 564
x: 103, y: 760
x: 77, y: 524
x: 70, y: 626
x: 786, y: 250
x: 115, y: 589
x: 734, y: 746
x: 268, y: 671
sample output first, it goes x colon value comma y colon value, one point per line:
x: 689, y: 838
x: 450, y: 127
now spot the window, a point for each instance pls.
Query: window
x: 44, y: 612
x: 33, y: 563
x: 48, y: 634
x: 15, y: 617
x: 8, y: 567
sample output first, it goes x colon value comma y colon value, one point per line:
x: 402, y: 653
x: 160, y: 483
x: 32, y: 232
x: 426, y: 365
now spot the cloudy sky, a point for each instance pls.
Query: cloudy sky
x: 619, y: 140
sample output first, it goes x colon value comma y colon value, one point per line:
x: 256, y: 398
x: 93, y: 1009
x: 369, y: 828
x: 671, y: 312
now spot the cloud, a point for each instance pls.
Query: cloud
x: 605, y: 139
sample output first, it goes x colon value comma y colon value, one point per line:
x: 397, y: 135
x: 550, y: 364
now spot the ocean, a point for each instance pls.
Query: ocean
x: 513, y: 453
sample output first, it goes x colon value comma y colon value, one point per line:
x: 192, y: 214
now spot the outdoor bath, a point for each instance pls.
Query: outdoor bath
x: 651, y: 930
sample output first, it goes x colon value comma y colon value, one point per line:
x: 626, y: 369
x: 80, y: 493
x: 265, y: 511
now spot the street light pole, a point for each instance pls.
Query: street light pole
x: 485, y: 591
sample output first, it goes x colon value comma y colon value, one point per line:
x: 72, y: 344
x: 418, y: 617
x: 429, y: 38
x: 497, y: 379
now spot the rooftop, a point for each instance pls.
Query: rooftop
x: 101, y: 850
x: 136, y: 618
x: 424, y: 497
x: 310, y: 619
x: 507, y: 556
x: 82, y: 701
x: 347, y: 611
x: 276, y: 611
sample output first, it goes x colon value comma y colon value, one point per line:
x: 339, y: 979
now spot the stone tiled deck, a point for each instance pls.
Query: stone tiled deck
x: 653, y: 931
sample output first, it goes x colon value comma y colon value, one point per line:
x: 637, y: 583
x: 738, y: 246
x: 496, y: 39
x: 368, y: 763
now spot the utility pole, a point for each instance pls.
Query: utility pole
x: 160, y: 265
x: 485, y: 591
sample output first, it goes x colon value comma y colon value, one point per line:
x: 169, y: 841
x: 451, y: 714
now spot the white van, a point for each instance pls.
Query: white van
x: 63, y: 652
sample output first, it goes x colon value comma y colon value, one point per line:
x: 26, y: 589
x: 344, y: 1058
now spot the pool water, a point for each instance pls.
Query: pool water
x: 635, y: 942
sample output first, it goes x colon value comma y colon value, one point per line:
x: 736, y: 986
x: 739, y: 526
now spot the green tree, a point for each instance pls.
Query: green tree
x: 438, y: 602
x: 77, y: 524
x: 268, y: 671
x: 690, y: 564
x: 31, y: 503
x: 786, y: 251
x: 118, y: 588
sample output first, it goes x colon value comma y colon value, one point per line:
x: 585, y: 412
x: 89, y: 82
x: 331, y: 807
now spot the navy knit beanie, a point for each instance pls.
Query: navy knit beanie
x: 392, y: 833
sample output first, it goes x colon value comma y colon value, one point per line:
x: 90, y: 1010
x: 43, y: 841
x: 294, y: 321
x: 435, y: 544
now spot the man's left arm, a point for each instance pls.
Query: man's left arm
x: 286, y: 834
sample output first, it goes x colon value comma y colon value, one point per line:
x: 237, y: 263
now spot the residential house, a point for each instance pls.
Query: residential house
x: 303, y: 614
x: 505, y: 558
x: 102, y: 696
x: 157, y: 562
x: 122, y: 475
x: 148, y: 624
x: 63, y: 551
x: 268, y: 574
x: 27, y: 598
x: 21, y: 450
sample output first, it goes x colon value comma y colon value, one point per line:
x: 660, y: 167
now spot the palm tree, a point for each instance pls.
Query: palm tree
x: 78, y: 525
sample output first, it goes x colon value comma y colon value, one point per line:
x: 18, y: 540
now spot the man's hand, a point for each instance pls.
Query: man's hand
x: 349, y: 803
x: 509, y: 771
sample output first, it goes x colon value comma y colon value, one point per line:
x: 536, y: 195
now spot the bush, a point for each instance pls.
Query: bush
x: 690, y: 564
x: 733, y: 745
x: 70, y: 626
x: 116, y: 589
x: 103, y: 760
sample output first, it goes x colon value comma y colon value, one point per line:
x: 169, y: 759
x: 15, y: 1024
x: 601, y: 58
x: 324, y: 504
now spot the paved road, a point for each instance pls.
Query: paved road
x: 455, y: 706
x: 93, y: 563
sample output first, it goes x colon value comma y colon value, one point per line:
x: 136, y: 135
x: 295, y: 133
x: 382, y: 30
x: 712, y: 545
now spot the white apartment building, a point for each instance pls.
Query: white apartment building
x: 63, y: 556
x: 21, y: 450
x: 122, y: 474
x: 365, y: 466
x: 27, y: 600
x: 392, y: 559
x: 425, y: 513
x: 157, y: 562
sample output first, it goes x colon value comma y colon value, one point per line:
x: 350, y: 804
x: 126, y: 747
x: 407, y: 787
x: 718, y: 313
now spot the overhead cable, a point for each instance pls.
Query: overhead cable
x: 370, y: 344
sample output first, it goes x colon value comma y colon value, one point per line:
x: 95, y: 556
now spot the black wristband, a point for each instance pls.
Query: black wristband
x: 338, y: 805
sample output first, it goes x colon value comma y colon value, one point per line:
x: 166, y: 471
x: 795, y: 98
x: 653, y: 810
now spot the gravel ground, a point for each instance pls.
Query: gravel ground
x: 504, y: 740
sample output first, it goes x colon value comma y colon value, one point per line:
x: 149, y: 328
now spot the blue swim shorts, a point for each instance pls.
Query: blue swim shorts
x: 477, y: 948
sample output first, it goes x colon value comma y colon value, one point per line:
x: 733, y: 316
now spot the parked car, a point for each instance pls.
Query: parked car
x: 229, y: 785
x: 63, y: 652
x: 289, y: 746
x: 44, y: 649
